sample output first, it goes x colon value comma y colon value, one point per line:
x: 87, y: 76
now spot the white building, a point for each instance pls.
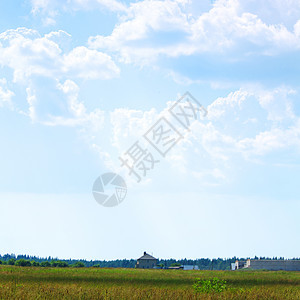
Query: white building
x: 268, y: 264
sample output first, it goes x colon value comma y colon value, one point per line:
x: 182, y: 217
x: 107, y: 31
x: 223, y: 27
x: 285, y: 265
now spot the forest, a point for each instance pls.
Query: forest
x: 202, y: 263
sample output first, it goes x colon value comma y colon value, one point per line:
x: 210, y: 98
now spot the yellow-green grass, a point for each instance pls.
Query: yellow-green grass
x: 96, y: 283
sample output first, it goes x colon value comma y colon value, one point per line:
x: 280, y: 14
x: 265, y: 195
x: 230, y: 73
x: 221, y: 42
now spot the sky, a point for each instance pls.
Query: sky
x: 81, y: 81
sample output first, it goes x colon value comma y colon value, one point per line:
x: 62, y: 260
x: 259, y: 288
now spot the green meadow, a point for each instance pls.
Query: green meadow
x: 100, y: 283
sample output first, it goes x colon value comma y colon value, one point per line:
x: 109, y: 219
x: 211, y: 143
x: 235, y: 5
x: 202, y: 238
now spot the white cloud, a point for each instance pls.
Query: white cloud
x: 239, y: 127
x: 272, y: 140
x: 31, y: 100
x: 75, y: 113
x: 50, y: 9
x: 89, y: 64
x: 33, y: 59
x: 142, y: 19
x: 28, y: 54
x: 284, y: 12
x: 60, y: 37
x: 40, y: 5
x: 5, y: 94
x: 47, y: 8
x: 71, y: 89
x: 247, y: 123
x: 226, y: 26
x: 144, y: 32
x: 278, y: 104
x: 253, y: 122
x: 129, y: 125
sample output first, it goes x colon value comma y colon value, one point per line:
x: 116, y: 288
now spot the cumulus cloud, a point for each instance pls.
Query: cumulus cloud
x: 143, y: 34
x: 238, y: 127
x: 253, y: 122
x: 274, y: 11
x: 131, y: 36
x: 226, y: 26
x: 89, y: 64
x: 27, y: 54
x: 77, y: 112
x: 31, y: 100
x: 129, y: 125
x: 58, y: 104
x: 39, y: 63
x: 5, y: 94
x: 247, y: 123
x: 269, y: 141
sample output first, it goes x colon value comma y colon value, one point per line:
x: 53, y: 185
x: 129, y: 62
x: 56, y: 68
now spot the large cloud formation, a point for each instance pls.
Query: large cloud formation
x: 32, y: 57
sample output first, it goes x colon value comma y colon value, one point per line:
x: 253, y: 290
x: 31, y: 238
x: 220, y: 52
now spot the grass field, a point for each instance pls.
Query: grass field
x: 96, y: 283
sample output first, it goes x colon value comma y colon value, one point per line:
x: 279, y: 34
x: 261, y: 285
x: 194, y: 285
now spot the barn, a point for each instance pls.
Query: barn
x: 146, y: 262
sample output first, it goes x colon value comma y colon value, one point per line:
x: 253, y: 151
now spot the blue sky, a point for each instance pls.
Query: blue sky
x: 82, y: 80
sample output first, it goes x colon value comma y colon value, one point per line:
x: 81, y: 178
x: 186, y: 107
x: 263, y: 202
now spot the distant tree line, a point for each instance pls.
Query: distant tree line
x: 26, y: 260
x: 202, y: 263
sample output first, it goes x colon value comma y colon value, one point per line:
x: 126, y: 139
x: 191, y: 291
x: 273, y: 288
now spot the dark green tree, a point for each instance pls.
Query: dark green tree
x: 11, y: 261
x: 23, y: 263
x: 59, y: 264
x: 45, y: 264
x: 78, y: 264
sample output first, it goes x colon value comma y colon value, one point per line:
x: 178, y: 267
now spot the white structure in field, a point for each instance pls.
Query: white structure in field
x: 267, y: 264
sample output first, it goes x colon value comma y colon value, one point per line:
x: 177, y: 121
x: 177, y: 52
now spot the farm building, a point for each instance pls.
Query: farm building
x: 190, y: 267
x: 239, y: 264
x: 175, y: 268
x: 146, y: 262
x: 184, y: 267
x: 273, y: 265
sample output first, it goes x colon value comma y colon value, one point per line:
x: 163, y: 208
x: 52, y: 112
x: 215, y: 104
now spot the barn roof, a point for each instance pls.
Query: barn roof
x: 147, y: 256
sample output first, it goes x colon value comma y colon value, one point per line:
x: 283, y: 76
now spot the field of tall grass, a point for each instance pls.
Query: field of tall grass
x: 97, y: 283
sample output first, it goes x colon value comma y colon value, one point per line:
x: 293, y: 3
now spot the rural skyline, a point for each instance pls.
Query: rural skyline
x: 82, y: 80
